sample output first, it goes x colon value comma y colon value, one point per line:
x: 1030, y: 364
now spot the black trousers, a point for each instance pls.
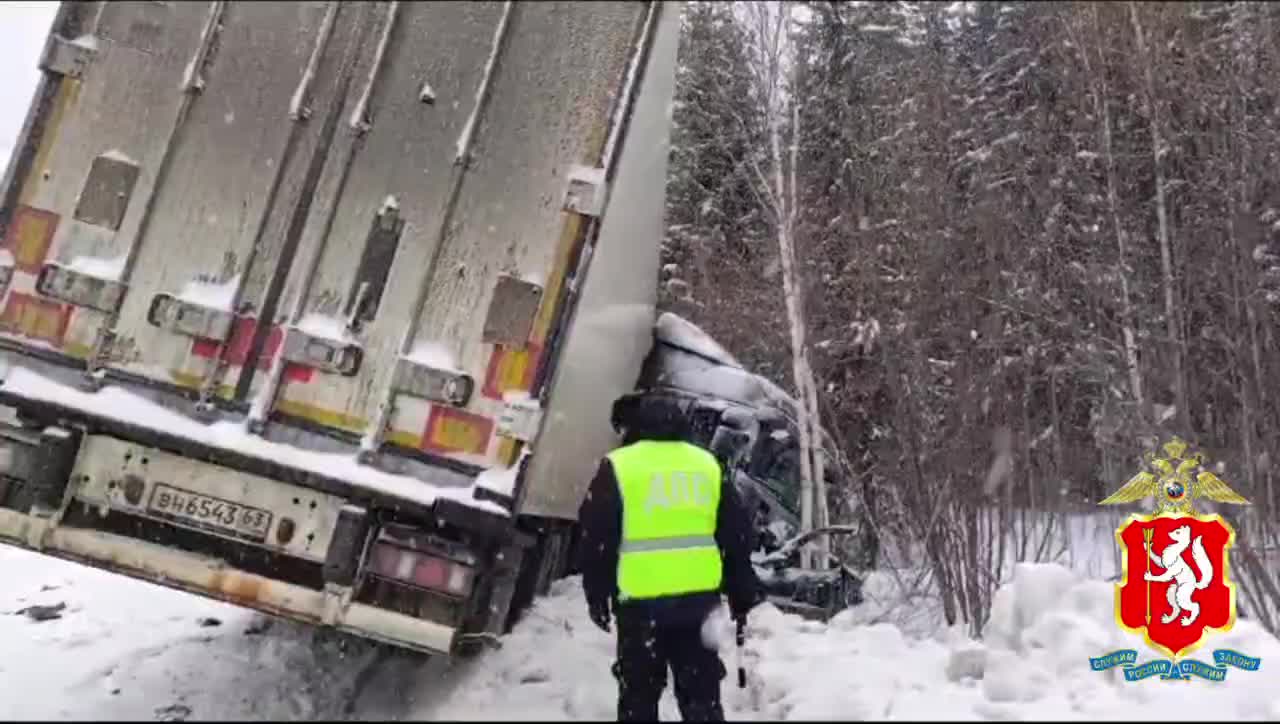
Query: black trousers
x: 647, y: 646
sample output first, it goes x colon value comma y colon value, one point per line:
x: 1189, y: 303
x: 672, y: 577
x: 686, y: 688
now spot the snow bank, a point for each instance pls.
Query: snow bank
x: 120, y: 404
x: 1034, y: 665
x: 1048, y: 622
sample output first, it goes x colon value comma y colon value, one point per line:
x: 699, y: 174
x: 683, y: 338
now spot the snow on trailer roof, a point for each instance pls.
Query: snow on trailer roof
x: 119, y: 404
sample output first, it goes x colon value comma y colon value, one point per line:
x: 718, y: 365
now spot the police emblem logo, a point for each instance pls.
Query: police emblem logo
x: 1175, y: 587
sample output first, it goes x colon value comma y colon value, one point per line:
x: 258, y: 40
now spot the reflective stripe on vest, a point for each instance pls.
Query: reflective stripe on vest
x: 667, y: 544
x: 670, y: 498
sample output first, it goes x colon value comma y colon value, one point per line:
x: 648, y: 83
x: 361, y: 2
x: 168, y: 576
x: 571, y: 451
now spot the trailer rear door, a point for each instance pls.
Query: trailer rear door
x: 348, y: 214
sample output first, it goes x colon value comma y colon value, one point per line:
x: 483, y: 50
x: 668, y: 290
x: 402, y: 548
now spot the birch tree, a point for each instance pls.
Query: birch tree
x: 1155, y: 121
x: 769, y: 29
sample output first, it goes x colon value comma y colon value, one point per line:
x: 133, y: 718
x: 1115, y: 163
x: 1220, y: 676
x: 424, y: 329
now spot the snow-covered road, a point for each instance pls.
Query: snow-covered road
x: 120, y: 649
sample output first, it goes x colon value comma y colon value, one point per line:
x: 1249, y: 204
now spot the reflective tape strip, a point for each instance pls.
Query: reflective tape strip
x: 667, y: 544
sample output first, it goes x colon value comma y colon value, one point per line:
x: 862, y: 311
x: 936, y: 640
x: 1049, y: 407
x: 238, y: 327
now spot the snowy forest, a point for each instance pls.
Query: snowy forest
x: 1007, y: 246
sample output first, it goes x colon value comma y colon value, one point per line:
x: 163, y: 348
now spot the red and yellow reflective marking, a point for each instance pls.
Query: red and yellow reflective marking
x: 36, y: 318
x: 29, y: 236
x: 451, y: 430
x: 510, y: 369
x: 321, y: 416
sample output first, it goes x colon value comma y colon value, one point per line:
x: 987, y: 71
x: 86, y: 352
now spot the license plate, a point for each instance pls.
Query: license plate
x: 208, y: 512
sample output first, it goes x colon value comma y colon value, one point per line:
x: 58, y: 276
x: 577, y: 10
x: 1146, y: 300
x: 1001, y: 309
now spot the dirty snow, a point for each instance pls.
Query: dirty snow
x: 124, y: 649
x: 122, y: 405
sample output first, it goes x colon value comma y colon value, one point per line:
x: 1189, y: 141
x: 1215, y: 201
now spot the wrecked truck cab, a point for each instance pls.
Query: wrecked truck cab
x: 817, y: 592
x: 749, y: 423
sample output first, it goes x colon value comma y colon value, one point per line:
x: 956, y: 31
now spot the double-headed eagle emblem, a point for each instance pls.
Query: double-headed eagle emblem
x: 1172, y: 485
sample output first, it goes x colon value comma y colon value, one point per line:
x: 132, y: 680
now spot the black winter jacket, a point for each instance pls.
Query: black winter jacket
x: 601, y: 519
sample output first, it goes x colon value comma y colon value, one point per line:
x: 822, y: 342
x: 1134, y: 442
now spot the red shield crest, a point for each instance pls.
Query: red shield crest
x: 1175, y: 584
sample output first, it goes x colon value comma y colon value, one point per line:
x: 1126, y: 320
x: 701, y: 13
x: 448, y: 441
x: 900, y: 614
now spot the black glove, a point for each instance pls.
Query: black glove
x: 599, y: 613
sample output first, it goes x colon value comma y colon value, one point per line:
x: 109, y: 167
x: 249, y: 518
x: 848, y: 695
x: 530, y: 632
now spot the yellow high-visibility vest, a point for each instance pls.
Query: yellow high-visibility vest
x: 670, y: 498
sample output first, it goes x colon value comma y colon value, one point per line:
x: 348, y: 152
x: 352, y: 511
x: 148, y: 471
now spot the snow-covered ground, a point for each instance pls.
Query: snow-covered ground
x: 127, y: 650
x: 1035, y: 666
x: 123, y: 649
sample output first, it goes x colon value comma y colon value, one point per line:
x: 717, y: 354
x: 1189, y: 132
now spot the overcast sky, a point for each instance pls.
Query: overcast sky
x: 23, y: 27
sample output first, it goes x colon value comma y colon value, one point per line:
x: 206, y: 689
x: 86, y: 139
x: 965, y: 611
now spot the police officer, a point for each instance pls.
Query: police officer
x: 662, y: 537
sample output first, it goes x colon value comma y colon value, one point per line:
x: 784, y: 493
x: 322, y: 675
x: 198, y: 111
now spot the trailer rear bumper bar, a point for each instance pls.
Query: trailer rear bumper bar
x: 213, y: 578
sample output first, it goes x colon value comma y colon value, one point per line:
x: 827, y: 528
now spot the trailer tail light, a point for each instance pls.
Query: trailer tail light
x: 421, y: 569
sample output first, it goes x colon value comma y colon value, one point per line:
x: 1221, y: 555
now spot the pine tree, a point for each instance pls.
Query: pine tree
x: 718, y: 259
